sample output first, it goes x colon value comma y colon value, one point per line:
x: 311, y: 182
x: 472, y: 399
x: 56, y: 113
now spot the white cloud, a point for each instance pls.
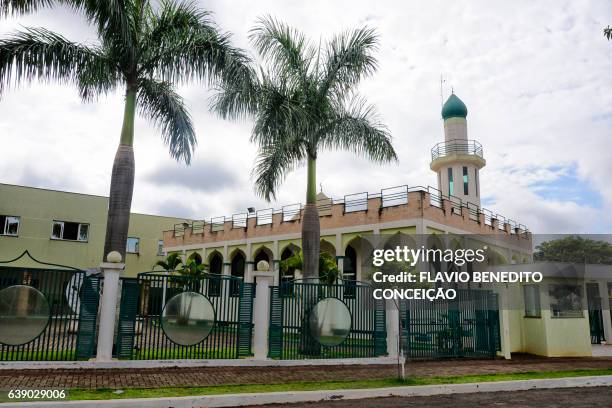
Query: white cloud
x: 535, y: 77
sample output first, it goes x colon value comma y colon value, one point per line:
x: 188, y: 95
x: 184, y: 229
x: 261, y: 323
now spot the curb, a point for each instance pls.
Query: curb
x: 236, y: 400
x: 246, y: 362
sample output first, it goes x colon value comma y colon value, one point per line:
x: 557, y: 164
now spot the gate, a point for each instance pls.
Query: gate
x: 173, y: 316
x: 46, y: 313
x: 467, y: 326
x: 317, y: 320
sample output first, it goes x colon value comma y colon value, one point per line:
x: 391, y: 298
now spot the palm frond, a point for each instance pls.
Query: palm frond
x: 160, y: 103
x: 357, y: 128
x: 279, y: 112
x: 349, y: 58
x: 39, y: 54
x: 608, y: 32
x: 185, y: 45
x: 16, y: 7
x: 285, y: 48
x: 272, y: 165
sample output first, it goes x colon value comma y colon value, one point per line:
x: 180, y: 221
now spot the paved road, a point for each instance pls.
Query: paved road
x: 593, y: 397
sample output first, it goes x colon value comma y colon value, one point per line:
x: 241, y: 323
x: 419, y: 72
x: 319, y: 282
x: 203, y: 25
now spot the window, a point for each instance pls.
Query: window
x: 465, y: 181
x: 451, y: 187
x: 531, y: 294
x: 70, y: 231
x: 133, y: 245
x: 160, y: 247
x: 476, y: 181
x: 565, y: 300
x: 9, y: 225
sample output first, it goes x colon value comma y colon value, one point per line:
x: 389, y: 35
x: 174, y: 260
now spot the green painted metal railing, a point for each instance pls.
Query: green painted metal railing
x: 73, y: 304
x: 467, y: 326
x: 140, y: 335
x: 290, y: 305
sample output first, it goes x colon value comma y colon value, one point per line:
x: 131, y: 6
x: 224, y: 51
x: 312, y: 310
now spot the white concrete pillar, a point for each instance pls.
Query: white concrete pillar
x: 393, y: 329
x: 504, y: 324
x: 605, y: 310
x: 340, y: 262
x: 261, y: 315
x: 108, y: 305
x: 227, y: 268
x: 250, y: 266
x: 276, y: 271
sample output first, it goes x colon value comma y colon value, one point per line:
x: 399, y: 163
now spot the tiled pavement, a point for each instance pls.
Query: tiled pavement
x: 207, y: 376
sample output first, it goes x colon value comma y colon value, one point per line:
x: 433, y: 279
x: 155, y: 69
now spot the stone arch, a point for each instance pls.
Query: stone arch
x: 262, y: 253
x: 328, y: 247
x: 215, y: 262
x: 196, y: 257
x: 357, y: 251
x: 494, y: 257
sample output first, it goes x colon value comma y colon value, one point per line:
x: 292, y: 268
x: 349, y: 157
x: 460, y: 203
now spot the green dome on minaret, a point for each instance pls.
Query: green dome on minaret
x: 454, y: 108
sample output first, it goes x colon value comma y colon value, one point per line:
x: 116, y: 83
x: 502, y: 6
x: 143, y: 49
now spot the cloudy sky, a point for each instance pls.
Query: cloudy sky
x: 535, y: 75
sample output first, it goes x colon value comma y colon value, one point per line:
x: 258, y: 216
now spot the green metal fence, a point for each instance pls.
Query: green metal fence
x: 467, y: 326
x: 141, y: 334
x: 68, y: 297
x: 291, y: 333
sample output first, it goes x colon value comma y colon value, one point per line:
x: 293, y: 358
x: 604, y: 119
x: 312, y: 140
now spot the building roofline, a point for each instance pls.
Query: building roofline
x: 91, y: 195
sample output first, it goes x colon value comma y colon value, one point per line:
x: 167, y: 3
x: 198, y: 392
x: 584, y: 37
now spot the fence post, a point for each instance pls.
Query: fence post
x: 261, y: 314
x: 108, y: 304
x: 392, y: 328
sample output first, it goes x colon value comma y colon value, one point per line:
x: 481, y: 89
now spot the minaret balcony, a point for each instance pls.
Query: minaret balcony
x: 458, y: 150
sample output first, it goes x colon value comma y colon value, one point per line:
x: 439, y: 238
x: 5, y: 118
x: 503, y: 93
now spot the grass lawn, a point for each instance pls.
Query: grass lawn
x: 81, y: 394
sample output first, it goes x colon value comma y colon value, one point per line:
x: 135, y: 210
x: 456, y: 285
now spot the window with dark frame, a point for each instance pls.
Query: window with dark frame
x: 465, y: 181
x: 70, y: 231
x: 451, y: 183
x: 9, y: 225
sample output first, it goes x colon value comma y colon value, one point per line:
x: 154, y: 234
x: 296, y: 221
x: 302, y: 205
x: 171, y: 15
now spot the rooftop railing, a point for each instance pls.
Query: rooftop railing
x: 456, y: 146
x: 352, y: 203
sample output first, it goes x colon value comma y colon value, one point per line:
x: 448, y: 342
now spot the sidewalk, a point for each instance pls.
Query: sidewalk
x: 209, y: 376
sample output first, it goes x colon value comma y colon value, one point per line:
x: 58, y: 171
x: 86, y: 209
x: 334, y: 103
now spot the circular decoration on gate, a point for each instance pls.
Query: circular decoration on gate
x: 330, y: 322
x: 188, y: 318
x: 24, y: 314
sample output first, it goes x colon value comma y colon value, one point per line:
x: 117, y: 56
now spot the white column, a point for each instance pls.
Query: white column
x: 504, y: 324
x: 250, y: 267
x: 276, y: 271
x: 393, y: 329
x: 108, y: 305
x: 605, y: 311
x: 339, y: 254
x: 261, y: 315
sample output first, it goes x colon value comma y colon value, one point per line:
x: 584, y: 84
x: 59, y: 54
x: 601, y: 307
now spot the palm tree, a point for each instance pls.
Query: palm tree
x: 303, y: 101
x: 171, y: 263
x: 142, y: 49
x: 608, y: 32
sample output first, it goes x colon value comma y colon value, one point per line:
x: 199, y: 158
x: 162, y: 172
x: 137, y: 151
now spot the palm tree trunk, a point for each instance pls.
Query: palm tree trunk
x: 311, y: 229
x: 122, y: 182
x: 311, y: 236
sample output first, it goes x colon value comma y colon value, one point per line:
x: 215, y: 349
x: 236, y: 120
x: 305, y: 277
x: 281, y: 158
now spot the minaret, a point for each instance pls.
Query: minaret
x: 457, y: 160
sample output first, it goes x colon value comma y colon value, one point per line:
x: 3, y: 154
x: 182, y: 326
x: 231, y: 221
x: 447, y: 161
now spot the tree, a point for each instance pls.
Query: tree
x: 171, y: 263
x: 608, y: 32
x: 328, y: 270
x: 143, y: 49
x: 574, y: 249
x: 304, y: 100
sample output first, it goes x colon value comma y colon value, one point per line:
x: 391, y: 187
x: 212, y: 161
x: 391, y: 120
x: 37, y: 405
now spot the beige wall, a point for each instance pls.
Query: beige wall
x: 38, y: 208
